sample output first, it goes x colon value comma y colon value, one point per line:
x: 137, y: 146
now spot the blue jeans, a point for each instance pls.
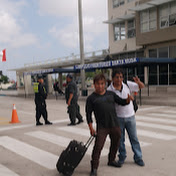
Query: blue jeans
x: 130, y: 125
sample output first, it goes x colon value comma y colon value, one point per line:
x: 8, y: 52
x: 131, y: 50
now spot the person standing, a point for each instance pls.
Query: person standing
x: 102, y: 104
x: 71, y: 97
x: 126, y: 115
x: 40, y: 96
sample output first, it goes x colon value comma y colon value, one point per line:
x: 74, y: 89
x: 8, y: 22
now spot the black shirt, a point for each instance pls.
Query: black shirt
x: 71, y: 88
x: 103, y: 107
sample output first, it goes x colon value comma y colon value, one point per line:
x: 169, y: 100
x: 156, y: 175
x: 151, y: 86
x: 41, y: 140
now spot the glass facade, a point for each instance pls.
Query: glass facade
x: 163, y: 69
x: 117, y: 3
x: 148, y: 20
x: 131, y: 29
x: 119, y: 31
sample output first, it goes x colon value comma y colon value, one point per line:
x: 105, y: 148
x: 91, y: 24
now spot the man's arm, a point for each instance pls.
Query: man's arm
x: 89, y: 110
x: 70, y: 98
x: 137, y: 81
x: 122, y: 101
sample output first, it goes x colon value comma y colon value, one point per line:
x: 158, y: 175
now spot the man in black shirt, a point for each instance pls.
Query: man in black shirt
x: 71, y: 100
x: 102, y: 103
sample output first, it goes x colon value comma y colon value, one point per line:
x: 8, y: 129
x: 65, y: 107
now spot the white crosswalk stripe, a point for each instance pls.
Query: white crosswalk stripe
x: 86, y: 133
x: 155, y: 135
x: 152, y: 119
x: 59, y: 140
x: 34, y: 154
x: 173, y: 116
x: 151, y: 125
x: 4, y: 171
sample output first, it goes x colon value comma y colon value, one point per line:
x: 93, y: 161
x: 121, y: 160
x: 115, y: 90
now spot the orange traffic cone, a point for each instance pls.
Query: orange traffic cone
x: 14, y: 115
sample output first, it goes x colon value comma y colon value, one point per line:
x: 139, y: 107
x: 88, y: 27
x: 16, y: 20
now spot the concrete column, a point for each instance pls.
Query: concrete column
x: 60, y: 81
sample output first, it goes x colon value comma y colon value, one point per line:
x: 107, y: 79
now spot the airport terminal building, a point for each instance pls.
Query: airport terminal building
x: 145, y: 29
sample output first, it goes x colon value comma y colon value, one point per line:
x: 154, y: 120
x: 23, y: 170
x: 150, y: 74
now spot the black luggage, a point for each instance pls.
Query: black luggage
x: 71, y: 156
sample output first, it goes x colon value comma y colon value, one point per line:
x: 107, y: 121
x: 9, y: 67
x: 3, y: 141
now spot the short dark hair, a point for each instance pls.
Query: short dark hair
x: 117, y: 71
x: 69, y: 76
x: 99, y: 77
x: 40, y: 76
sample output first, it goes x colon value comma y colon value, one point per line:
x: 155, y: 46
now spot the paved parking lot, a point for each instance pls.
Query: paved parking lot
x: 27, y: 150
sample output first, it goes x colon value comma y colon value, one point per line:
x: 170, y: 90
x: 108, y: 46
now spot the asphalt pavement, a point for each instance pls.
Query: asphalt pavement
x: 29, y: 150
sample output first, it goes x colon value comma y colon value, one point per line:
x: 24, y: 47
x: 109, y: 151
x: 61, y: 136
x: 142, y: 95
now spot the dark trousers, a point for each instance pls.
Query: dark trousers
x: 114, y: 134
x: 41, y: 111
x: 74, y: 112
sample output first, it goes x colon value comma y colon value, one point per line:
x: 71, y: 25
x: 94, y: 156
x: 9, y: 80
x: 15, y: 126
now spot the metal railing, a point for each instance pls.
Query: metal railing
x: 71, y: 58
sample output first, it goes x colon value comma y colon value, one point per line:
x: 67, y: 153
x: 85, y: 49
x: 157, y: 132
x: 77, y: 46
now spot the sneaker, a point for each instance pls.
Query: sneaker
x: 140, y: 162
x: 48, y: 123
x: 39, y: 123
x: 93, y: 172
x: 120, y: 163
x: 113, y: 164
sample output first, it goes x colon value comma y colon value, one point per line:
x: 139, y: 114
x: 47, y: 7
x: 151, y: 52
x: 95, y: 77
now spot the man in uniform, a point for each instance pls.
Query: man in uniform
x: 40, y: 96
x: 71, y: 100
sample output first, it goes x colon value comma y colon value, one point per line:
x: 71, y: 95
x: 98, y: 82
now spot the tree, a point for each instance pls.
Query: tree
x: 4, y: 79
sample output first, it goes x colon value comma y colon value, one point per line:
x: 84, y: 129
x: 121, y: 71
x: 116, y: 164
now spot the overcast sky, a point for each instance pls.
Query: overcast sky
x: 38, y: 30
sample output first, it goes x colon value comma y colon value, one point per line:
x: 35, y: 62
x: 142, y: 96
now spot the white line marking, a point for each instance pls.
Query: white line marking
x: 24, y: 112
x: 155, y: 135
x: 152, y: 119
x: 86, y: 133
x: 34, y: 154
x: 4, y: 171
x: 29, y: 125
x: 150, y: 108
x: 170, y: 111
x: 15, y: 127
x: 151, y: 125
x: 162, y: 115
x: 59, y: 140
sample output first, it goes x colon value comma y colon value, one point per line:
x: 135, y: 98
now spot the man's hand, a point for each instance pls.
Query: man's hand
x: 92, y: 131
x: 129, y: 98
x: 138, y: 81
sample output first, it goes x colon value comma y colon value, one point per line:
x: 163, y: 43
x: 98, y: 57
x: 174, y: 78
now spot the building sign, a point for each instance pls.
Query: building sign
x: 39, y: 72
x: 106, y: 64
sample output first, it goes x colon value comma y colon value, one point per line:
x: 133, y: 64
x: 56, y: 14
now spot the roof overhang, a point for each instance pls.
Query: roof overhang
x: 149, y: 4
x: 120, y: 19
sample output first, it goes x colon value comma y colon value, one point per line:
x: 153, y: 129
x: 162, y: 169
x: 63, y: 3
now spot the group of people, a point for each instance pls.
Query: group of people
x: 114, y: 113
x: 71, y: 97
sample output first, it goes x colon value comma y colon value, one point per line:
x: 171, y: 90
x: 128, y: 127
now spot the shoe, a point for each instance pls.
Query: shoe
x: 80, y: 121
x: 93, y: 172
x: 48, y: 123
x: 39, y: 123
x: 71, y: 124
x: 140, y: 162
x: 113, y: 164
x: 120, y: 163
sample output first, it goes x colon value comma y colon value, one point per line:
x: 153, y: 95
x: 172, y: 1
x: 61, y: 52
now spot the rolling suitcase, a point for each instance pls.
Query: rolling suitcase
x: 71, y: 156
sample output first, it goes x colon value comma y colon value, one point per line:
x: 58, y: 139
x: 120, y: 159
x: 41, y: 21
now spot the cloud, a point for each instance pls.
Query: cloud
x: 12, y: 34
x: 93, y: 26
x: 58, y: 7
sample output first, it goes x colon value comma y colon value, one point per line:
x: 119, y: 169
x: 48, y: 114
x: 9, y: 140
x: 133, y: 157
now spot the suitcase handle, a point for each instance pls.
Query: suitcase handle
x: 91, y: 138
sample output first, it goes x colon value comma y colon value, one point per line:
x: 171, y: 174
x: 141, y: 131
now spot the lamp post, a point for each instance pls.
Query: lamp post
x: 81, y: 45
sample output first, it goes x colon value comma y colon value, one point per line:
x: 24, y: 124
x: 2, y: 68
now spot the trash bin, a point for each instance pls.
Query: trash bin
x: 84, y: 92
